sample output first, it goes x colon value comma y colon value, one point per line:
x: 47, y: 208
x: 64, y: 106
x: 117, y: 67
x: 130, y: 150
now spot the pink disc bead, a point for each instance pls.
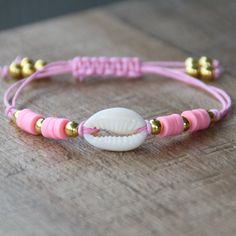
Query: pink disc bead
x: 27, y: 120
x: 198, y: 118
x: 54, y: 128
x: 171, y: 125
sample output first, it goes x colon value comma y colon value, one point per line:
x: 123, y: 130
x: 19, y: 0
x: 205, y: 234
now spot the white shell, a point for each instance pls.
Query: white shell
x: 120, y: 121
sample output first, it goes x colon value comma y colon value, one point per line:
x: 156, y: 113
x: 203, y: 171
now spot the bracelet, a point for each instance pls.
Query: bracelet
x: 115, y: 129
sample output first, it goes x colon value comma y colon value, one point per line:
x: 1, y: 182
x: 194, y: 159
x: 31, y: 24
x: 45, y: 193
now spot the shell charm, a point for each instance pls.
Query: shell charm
x: 121, y: 125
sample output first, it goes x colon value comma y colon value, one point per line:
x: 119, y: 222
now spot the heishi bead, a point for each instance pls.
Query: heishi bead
x: 54, y: 128
x: 198, y: 118
x: 27, y: 119
x: 171, y: 125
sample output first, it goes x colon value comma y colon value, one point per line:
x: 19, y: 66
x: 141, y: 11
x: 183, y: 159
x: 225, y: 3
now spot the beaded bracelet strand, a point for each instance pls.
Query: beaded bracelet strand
x: 130, y: 129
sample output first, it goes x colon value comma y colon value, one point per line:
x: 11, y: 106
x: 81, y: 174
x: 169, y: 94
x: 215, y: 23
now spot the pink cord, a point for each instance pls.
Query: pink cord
x: 82, y: 67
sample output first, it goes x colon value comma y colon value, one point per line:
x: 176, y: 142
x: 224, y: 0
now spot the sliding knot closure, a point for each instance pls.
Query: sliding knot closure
x: 104, y: 67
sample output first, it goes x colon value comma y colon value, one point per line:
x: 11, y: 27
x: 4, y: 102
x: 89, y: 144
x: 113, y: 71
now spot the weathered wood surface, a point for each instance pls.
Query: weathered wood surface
x: 183, y: 186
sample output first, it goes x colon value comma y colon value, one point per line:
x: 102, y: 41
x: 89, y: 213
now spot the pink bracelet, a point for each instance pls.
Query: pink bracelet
x: 130, y: 129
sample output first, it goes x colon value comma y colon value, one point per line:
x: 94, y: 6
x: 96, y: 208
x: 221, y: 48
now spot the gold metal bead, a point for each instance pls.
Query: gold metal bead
x: 27, y: 70
x: 193, y: 71
x: 72, y: 129
x: 26, y: 61
x: 206, y: 73
x: 191, y: 62
x: 15, y: 71
x: 212, y: 117
x: 38, y: 125
x: 15, y: 116
x: 186, y: 123
x: 39, y: 64
x: 155, y: 126
x: 205, y: 61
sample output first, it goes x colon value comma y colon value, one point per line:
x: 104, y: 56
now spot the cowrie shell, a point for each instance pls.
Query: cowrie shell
x: 123, y: 123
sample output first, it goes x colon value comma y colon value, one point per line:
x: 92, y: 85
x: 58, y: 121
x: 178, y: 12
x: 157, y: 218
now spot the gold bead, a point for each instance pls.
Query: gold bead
x: 39, y: 64
x: 190, y: 61
x: 155, y: 126
x: 38, y: 125
x: 26, y: 61
x: 205, y: 61
x: 186, y: 123
x: 27, y: 70
x: 71, y: 129
x: 15, y: 71
x: 206, y: 73
x: 212, y: 117
x: 15, y: 116
x: 193, y: 70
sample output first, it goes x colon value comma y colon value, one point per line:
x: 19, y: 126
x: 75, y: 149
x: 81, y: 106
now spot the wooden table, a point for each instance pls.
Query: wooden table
x: 183, y: 186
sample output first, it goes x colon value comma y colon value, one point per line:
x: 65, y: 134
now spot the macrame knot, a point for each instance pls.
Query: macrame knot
x: 146, y: 128
x: 82, y: 130
x: 9, y: 111
x: 217, y: 114
x: 104, y: 67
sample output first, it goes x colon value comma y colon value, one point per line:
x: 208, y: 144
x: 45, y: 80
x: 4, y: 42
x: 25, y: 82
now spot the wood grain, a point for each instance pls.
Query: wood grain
x: 178, y: 186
